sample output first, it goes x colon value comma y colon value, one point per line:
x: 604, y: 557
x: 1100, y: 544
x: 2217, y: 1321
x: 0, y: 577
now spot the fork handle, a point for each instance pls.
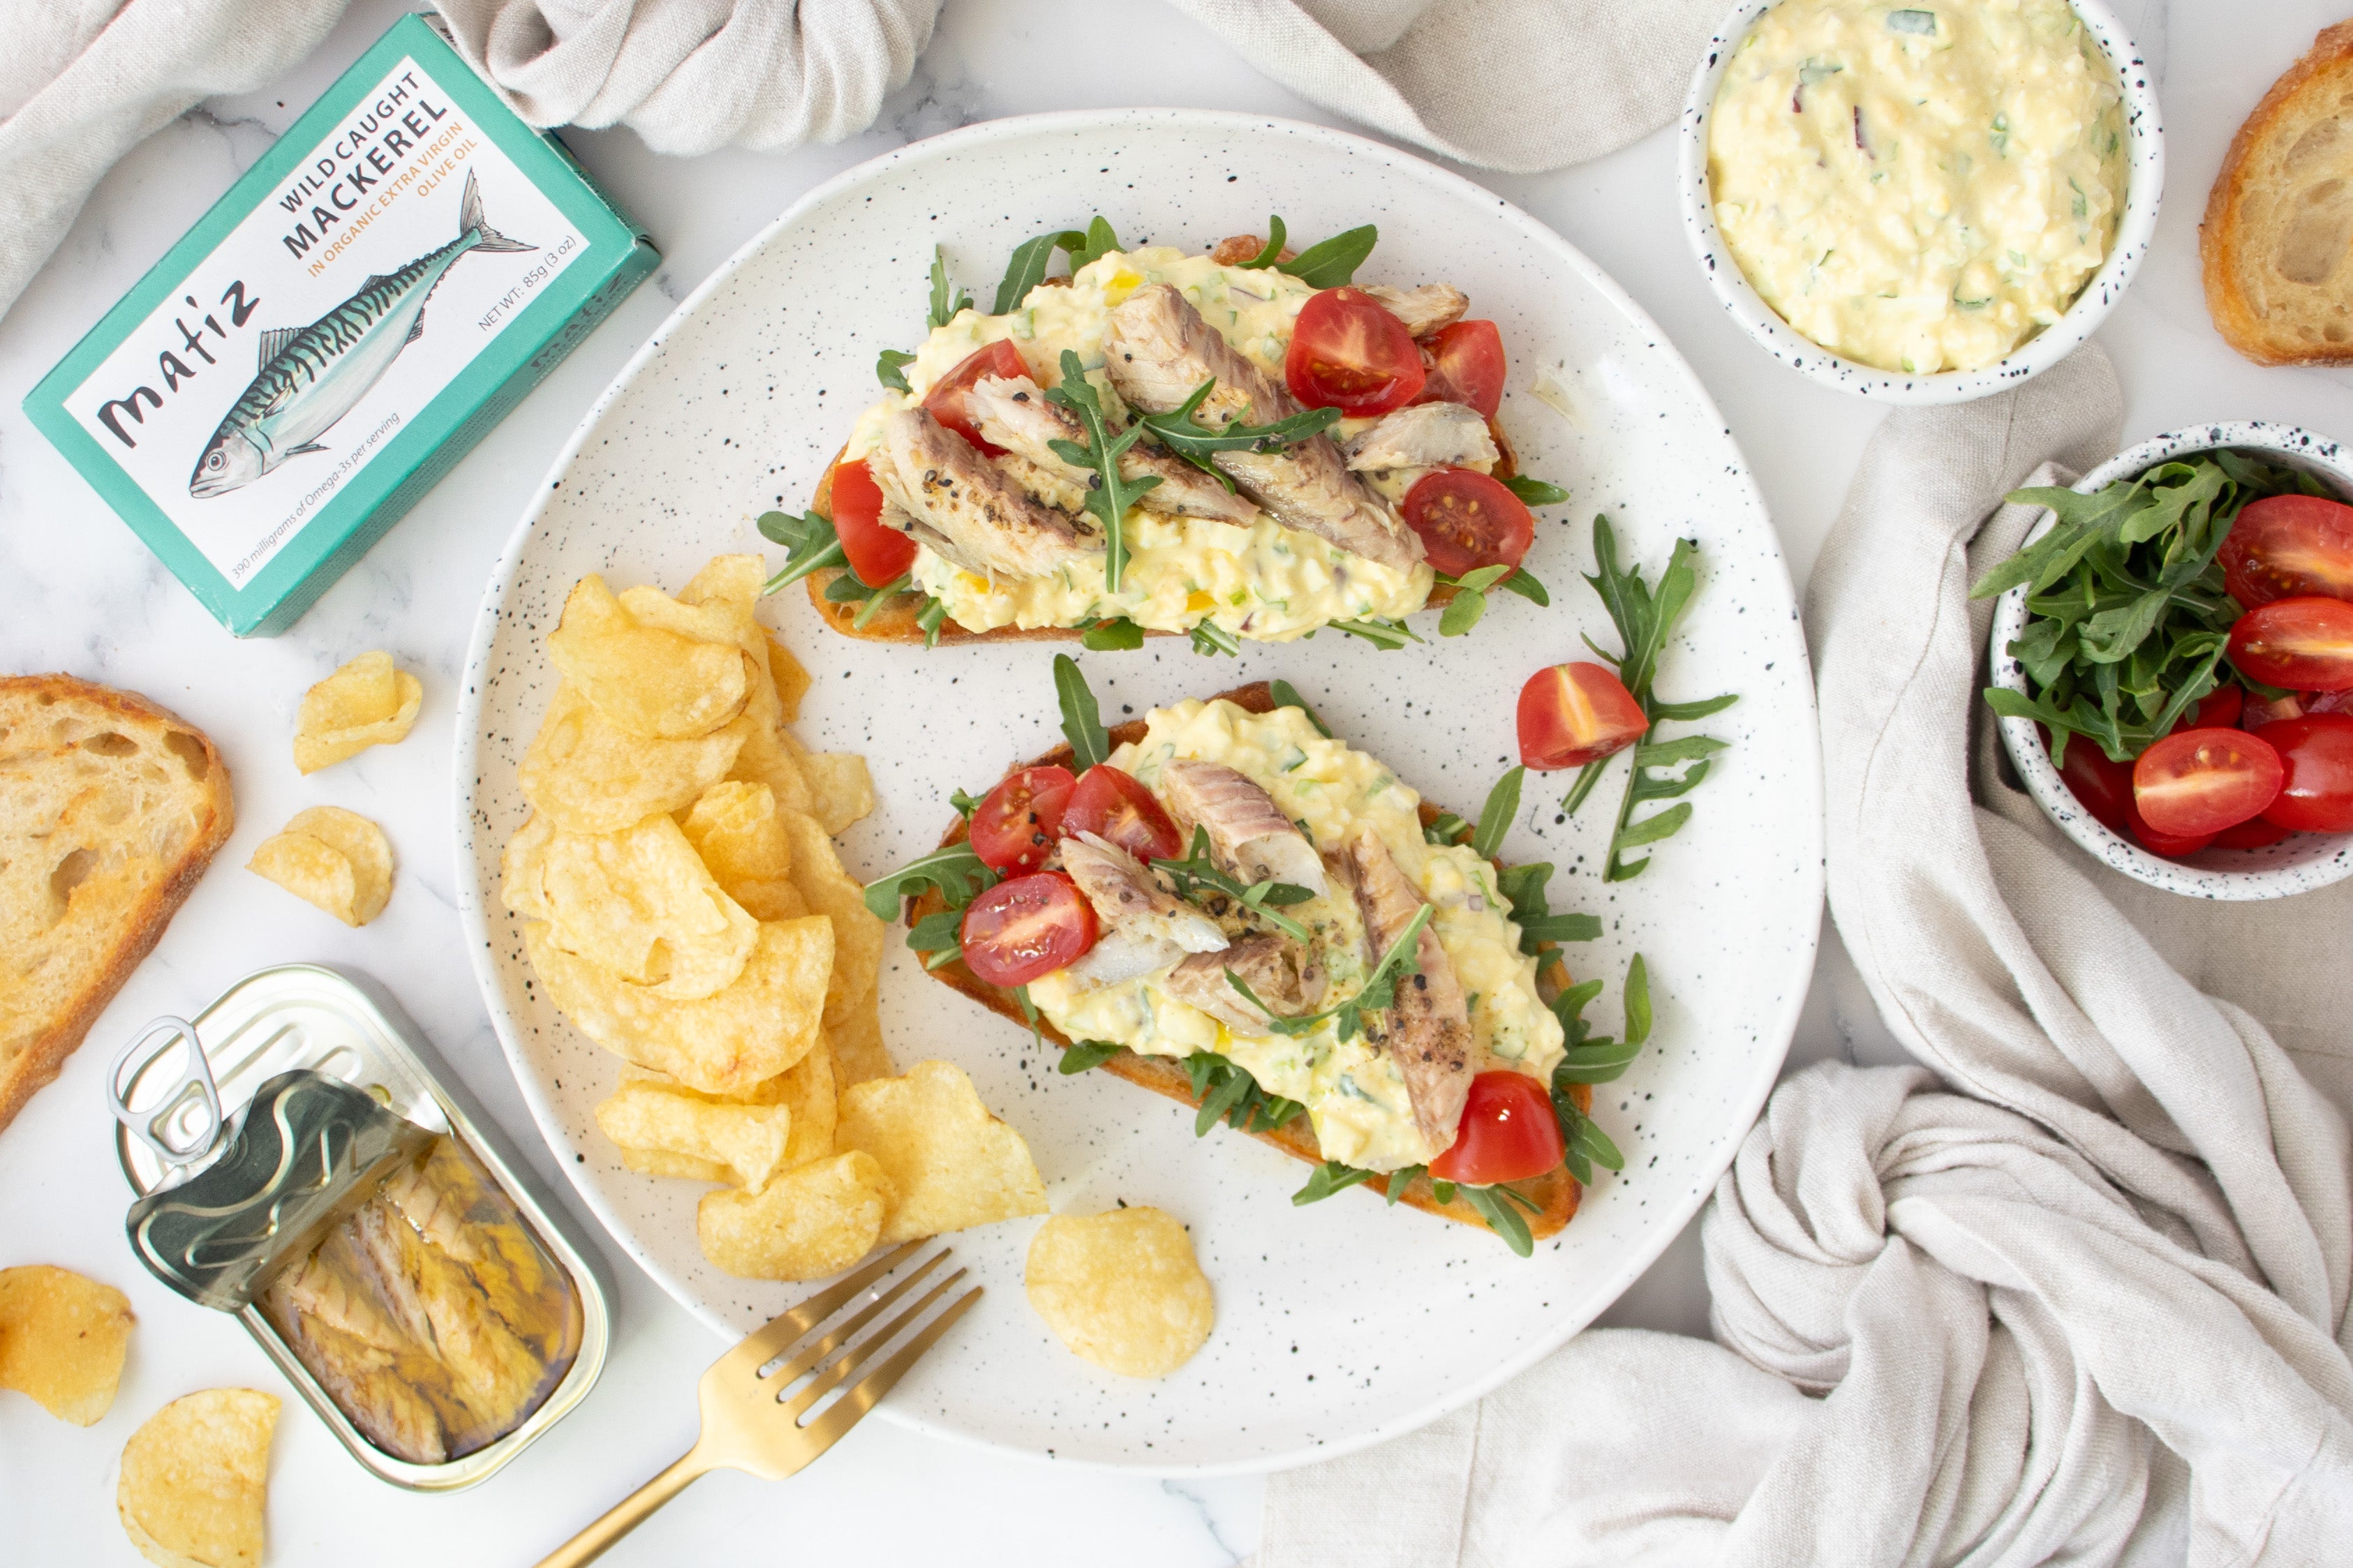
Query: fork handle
x: 626, y: 1515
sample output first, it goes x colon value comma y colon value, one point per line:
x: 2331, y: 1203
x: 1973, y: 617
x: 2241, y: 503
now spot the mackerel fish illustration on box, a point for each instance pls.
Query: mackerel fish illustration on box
x: 311, y: 377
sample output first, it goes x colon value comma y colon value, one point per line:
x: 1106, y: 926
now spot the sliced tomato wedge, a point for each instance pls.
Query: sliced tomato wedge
x: 1112, y: 803
x: 2307, y: 644
x: 1466, y: 366
x: 2218, y: 710
x: 2285, y: 547
x: 1468, y: 520
x: 2196, y: 782
x: 1508, y: 1134
x: 2252, y: 834
x: 1016, y: 824
x: 1348, y: 352
x: 877, y: 554
x: 1572, y: 714
x: 950, y: 399
x: 1027, y: 928
x: 2316, y: 754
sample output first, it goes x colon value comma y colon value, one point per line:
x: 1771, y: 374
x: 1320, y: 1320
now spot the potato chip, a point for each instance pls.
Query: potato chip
x: 842, y: 899
x: 682, y: 1167
x: 331, y: 858
x: 807, y: 1224
x: 806, y: 1089
x: 589, y: 775
x: 841, y: 792
x: 791, y: 681
x: 1122, y: 1290
x: 736, y: 828
x: 722, y: 1044
x: 953, y: 1164
x: 366, y: 703
x: 859, y: 1054
x: 638, y: 902
x: 195, y: 1479
x: 651, y: 680
x: 748, y: 1141
x: 732, y: 581
x: 63, y: 1337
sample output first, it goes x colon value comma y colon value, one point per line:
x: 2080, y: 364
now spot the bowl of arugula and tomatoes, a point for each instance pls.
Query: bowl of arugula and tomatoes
x: 2172, y: 660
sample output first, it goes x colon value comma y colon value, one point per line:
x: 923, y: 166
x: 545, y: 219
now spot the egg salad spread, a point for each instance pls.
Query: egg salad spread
x: 1355, y: 1094
x: 1915, y: 187
x: 1256, y: 579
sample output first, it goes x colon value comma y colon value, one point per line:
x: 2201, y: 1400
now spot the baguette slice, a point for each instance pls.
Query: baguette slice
x: 2277, y: 237
x: 111, y: 808
x: 1555, y: 1192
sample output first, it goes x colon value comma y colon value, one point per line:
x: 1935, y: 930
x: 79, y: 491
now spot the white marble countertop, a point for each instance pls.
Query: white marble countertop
x: 78, y: 593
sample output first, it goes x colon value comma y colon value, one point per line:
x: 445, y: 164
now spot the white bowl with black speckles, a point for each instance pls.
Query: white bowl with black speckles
x: 1340, y: 1325
x: 2296, y: 864
x: 2136, y: 229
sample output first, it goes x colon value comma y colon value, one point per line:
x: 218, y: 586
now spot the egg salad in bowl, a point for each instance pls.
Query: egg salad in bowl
x: 1237, y: 445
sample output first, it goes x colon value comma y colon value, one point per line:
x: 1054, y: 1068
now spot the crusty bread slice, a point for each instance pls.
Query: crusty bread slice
x: 2277, y: 237
x: 111, y: 808
x: 1555, y: 1192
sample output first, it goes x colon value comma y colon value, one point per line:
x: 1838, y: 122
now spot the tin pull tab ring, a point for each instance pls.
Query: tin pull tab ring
x: 186, y: 1124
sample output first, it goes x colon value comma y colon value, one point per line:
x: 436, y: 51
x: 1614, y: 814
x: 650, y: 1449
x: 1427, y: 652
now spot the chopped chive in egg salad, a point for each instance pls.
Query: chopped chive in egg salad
x: 1245, y: 445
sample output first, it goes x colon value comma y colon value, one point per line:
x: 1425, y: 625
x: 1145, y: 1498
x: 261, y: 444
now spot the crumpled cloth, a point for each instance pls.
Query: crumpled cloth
x: 84, y: 81
x: 2079, y: 1294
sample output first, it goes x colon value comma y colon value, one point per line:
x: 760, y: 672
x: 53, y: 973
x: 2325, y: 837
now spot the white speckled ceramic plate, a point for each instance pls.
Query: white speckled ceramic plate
x: 1340, y: 1325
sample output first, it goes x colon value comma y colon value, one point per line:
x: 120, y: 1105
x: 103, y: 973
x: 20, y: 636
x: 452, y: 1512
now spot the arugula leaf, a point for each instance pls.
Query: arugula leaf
x: 1447, y: 829
x: 891, y: 370
x: 1495, y: 817
x: 954, y: 869
x: 1645, y: 618
x: 1500, y: 1216
x: 1399, y: 1180
x: 1534, y: 491
x: 810, y: 545
x: 1592, y: 1058
x: 1027, y: 268
x: 1081, y: 720
x: 1275, y: 236
x: 1085, y: 1055
x: 881, y: 596
x: 1524, y: 583
x: 1112, y: 494
x: 1286, y: 696
x: 1228, y: 1093
x: 1379, y: 630
x: 1209, y: 637
x: 939, y: 937
x: 1098, y: 242
x: 945, y: 301
x: 1198, y: 443
x: 1330, y: 1177
x: 1468, y: 605
x: 966, y: 805
x: 931, y: 618
x: 1198, y: 869
x: 1116, y: 634
x: 1332, y: 262
x: 1029, y: 1011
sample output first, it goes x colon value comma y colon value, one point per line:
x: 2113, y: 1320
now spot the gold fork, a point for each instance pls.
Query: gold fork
x: 748, y: 1424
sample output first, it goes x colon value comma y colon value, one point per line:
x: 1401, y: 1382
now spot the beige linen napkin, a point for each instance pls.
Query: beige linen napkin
x: 2079, y: 1295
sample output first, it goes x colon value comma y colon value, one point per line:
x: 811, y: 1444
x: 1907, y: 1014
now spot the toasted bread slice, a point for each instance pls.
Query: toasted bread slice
x: 1555, y: 1192
x: 2277, y: 237
x: 111, y: 808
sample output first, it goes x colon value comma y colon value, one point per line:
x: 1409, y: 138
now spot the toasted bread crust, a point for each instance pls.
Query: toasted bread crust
x: 1555, y: 1192
x: 37, y: 1060
x: 2225, y: 243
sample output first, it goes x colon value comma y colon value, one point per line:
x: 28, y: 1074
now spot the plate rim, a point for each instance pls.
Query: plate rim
x: 1674, y: 1216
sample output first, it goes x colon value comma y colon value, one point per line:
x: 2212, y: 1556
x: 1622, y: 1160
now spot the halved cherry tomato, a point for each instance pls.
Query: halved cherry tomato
x: 1027, y: 928
x: 2172, y: 845
x: 2315, y: 754
x: 1573, y: 713
x: 2252, y: 834
x: 2218, y: 710
x: 2201, y: 781
x: 1112, y: 803
x: 1014, y: 826
x: 950, y: 399
x: 1468, y: 520
x: 2285, y: 546
x: 1467, y: 367
x: 2304, y: 643
x: 1508, y: 1134
x: 1348, y: 352
x: 877, y: 554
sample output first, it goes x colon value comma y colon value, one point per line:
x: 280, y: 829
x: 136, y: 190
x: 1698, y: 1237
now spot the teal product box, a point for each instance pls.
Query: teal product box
x: 404, y: 264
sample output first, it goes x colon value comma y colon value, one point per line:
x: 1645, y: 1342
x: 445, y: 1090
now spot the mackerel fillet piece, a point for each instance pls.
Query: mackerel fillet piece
x: 1428, y: 1031
x: 1248, y: 835
x: 1145, y: 926
x: 1014, y: 415
x: 313, y: 377
x: 1424, y: 435
x: 989, y: 523
x: 1425, y: 309
x: 1158, y: 349
x: 1277, y: 971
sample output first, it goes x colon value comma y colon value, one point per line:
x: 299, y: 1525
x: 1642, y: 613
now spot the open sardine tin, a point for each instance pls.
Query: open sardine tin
x: 361, y: 307
x: 303, y: 1017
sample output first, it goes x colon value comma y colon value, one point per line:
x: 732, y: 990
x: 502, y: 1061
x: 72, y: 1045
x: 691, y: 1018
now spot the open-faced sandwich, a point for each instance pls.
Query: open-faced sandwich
x: 1239, y: 445
x: 1222, y: 902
